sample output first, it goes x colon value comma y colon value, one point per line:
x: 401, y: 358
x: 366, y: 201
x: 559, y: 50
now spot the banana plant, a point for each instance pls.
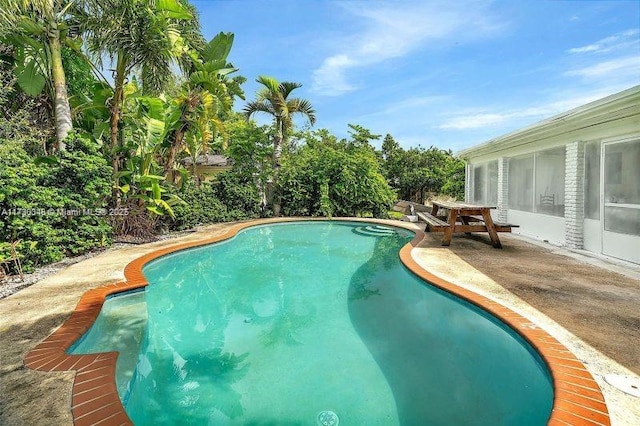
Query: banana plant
x: 144, y: 36
x: 146, y: 124
x: 205, y: 98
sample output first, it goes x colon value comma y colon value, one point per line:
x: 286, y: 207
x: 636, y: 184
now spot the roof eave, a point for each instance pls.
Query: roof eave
x: 598, y: 110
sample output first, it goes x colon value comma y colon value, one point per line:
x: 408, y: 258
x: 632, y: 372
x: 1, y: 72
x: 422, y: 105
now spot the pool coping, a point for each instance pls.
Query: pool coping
x: 577, y: 397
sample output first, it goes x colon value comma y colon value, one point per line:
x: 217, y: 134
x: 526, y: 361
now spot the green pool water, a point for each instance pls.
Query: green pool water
x: 311, y: 323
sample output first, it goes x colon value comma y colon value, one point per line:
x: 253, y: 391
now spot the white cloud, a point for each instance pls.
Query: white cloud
x: 474, y: 121
x: 330, y: 77
x: 622, y: 40
x: 392, y: 31
x: 589, y: 48
x: 628, y: 66
x: 486, y: 119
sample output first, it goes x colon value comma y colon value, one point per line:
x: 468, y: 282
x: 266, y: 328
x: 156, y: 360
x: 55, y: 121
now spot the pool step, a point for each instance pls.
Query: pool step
x: 375, y: 231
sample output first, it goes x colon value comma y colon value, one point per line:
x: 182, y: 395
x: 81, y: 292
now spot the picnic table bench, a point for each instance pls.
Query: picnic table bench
x: 404, y: 207
x: 463, y: 217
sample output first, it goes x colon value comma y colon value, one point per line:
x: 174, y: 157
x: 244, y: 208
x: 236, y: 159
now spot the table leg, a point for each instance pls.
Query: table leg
x: 491, y: 228
x: 465, y: 221
x: 448, y: 233
x: 434, y: 210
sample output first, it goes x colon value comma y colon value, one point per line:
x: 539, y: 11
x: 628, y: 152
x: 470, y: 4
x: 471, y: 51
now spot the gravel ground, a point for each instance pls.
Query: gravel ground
x: 14, y: 284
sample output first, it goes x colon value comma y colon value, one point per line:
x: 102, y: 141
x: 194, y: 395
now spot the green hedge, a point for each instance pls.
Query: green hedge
x: 58, y: 207
x: 229, y: 198
x: 333, y: 178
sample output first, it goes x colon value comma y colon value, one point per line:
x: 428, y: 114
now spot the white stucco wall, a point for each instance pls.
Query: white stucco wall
x: 617, y: 116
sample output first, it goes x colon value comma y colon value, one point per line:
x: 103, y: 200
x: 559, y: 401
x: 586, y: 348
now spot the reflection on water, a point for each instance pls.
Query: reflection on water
x: 445, y: 361
x: 288, y: 321
x: 385, y: 256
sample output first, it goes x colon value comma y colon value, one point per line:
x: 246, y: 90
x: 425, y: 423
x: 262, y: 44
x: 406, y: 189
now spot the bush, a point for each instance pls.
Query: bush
x: 239, y: 195
x: 328, y: 177
x: 201, y: 206
x: 56, y: 208
x: 229, y: 198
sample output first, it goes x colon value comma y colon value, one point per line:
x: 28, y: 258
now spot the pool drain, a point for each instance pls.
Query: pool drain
x: 327, y: 418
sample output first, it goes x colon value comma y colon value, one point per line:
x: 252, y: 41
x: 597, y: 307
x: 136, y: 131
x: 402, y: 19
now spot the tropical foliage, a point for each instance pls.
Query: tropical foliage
x: 204, y: 99
x: 57, y: 207
x: 330, y: 177
x: 38, y: 29
x: 418, y: 172
x: 136, y: 35
x: 77, y: 144
x: 229, y: 199
x: 273, y: 99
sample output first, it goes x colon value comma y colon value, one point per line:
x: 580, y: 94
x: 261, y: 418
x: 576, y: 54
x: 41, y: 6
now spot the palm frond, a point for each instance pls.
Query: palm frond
x: 286, y: 87
x: 302, y: 106
x: 257, y: 106
x: 270, y: 83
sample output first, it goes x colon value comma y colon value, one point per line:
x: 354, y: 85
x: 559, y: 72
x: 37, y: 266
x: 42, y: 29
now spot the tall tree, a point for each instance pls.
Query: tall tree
x: 137, y: 35
x: 38, y: 28
x: 273, y: 99
x: 203, y: 100
x: 392, y: 155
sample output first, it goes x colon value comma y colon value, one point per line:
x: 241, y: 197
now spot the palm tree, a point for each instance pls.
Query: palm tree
x: 37, y: 29
x: 274, y: 100
x: 204, y: 98
x: 142, y: 35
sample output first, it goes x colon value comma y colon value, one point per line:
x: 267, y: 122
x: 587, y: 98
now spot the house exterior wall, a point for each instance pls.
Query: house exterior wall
x: 615, y: 117
x: 208, y: 173
x: 574, y: 195
x: 503, y: 190
x: 540, y: 227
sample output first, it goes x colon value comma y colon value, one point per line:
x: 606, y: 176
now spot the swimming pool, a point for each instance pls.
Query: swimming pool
x: 295, y: 323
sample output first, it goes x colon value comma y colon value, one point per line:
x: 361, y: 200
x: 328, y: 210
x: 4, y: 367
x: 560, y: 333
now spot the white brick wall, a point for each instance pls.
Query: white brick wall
x: 503, y: 188
x: 468, y: 188
x: 574, y: 195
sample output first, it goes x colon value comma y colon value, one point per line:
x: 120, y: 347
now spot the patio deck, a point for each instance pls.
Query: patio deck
x: 569, y: 292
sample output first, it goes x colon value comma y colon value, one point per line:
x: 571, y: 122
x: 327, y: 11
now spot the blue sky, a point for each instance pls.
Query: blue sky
x: 448, y: 74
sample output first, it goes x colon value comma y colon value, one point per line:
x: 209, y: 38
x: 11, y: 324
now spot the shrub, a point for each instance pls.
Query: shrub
x: 56, y: 208
x: 230, y: 198
x: 239, y: 194
x: 329, y: 177
x: 201, y: 206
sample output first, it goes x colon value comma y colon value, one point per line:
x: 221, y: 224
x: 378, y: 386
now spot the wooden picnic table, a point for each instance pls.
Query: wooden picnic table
x: 464, y: 217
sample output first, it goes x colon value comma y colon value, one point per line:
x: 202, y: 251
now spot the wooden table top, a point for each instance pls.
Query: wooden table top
x: 461, y: 205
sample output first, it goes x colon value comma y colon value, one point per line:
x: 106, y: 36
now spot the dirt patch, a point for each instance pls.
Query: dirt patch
x: 595, y: 304
x: 19, y: 384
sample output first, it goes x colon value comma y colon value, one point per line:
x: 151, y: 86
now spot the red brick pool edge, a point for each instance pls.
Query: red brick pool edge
x: 577, y: 397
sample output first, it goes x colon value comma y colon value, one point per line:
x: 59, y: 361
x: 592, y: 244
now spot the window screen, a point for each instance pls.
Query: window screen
x: 622, y: 187
x: 549, y: 184
x: 592, y: 180
x: 485, y: 183
x: 479, y: 177
x: 521, y: 183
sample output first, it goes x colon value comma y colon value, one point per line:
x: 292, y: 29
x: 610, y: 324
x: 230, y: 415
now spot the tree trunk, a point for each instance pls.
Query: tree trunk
x: 114, y: 121
x: 277, y: 153
x: 194, y: 169
x: 61, y: 101
x: 173, y: 153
